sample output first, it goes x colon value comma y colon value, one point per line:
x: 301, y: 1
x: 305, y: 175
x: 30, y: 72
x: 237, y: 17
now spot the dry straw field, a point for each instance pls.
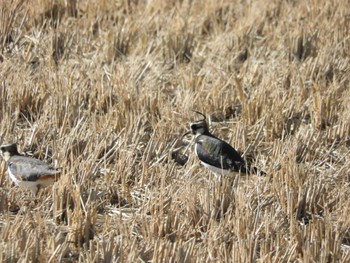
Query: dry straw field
x: 105, y: 90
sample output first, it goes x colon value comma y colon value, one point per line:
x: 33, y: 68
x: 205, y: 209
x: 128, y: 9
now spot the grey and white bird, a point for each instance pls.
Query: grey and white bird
x: 26, y: 171
x: 216, y: 154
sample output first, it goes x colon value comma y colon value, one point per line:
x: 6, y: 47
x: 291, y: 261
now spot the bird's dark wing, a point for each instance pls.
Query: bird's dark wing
x: 233, y: 158
x: 218, y: 153
x: 29, y: 169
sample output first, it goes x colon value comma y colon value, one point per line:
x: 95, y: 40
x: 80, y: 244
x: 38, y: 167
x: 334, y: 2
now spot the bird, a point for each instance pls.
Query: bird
x: 28, y: 172
x: 216, y: 154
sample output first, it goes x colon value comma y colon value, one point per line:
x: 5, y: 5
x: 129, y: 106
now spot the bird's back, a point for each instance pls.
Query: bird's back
x: 29, y: 169
x: 218, y: 153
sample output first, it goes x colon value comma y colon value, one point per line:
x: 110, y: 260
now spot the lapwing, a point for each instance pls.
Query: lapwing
x: 26, y: 171
x: 216, y: 154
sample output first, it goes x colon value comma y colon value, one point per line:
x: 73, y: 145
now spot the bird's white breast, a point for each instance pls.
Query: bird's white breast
x: 216, y: 170
x: 32, y: 186
x: 13, y: 177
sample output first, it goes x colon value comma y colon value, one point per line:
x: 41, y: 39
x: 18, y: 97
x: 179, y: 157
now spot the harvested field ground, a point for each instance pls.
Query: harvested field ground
x: 105, y: 90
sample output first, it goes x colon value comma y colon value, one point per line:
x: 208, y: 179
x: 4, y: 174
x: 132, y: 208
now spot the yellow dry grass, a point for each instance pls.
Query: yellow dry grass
x: 105, y: 89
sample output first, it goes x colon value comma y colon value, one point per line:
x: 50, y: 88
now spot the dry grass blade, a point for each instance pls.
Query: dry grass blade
x: 104, y: 90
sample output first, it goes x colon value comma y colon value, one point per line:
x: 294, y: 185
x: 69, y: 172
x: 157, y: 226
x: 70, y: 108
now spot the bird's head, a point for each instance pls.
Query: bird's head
x: 201, y: 126
x: 198, y: 127
x: 8, y: 150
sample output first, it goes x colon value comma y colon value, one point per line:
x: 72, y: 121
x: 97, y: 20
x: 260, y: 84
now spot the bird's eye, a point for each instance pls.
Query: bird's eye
x: 193, y: 127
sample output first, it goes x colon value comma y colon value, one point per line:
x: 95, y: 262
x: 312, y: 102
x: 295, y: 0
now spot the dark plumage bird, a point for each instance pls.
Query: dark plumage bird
x: 26, y: 171
x: 216, y: 154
